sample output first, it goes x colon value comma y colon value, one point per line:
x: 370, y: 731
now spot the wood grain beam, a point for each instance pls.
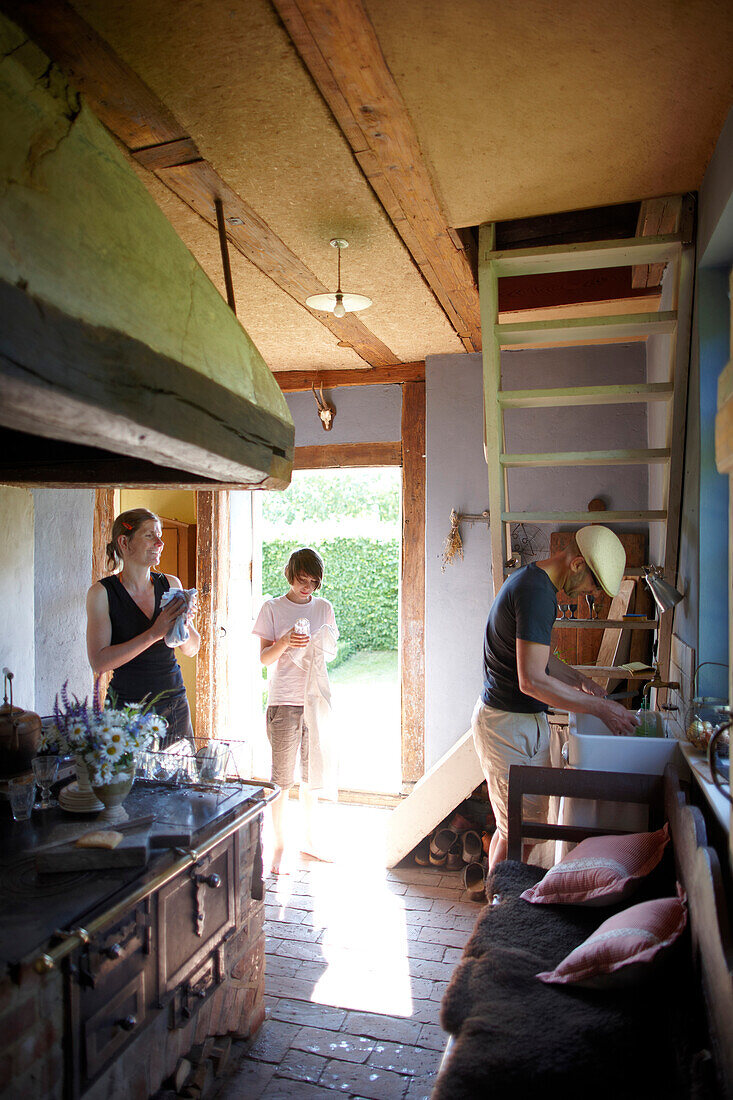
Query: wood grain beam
x: 296, y: 381
x: 334, y: 456
x: 412, y: 590
x: 339, y: 46
x: 150, y: 132
x: 657, y: 217
x: 60, y: 377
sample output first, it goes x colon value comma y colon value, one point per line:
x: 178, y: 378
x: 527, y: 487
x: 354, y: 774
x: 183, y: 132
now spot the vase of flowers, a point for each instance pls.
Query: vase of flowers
x: 106, y: 742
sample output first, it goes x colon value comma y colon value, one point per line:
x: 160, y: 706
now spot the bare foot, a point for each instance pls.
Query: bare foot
x: 277, y: 863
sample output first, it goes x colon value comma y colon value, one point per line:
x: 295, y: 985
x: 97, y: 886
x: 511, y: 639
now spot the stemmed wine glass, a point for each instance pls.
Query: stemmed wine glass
x: 45, y: 769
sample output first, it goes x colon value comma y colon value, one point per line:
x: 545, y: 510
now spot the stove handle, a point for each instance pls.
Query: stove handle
x: 214, y: 880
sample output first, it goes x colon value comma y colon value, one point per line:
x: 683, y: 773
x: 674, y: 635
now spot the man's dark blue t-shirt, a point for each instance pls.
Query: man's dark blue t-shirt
x: 525, y: 608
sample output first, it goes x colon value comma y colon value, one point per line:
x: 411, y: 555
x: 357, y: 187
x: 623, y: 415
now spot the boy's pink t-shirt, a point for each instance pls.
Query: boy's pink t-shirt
x: 286, y: 683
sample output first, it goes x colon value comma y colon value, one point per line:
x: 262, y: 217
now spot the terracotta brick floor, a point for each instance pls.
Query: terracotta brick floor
x: 357, y: 961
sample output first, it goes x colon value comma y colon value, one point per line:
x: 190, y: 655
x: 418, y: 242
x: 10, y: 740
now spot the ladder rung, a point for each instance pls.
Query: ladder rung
x: 612, y: 624
x: 587, y: 458
x: 586, y: 395
x: 583, y: 517
x: 585, y: 256
x: 627, y: 326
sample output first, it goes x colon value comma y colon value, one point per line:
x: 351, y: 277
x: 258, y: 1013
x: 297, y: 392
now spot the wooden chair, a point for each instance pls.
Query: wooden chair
x: 646, y: 790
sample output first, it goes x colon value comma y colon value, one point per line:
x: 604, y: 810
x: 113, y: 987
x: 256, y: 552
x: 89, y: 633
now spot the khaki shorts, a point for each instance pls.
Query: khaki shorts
x: 287, y: 733
x: 503, y: 738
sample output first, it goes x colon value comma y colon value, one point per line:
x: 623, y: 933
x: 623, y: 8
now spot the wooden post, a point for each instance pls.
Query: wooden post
x: 212, y: 575
x: 412, y: 602
x: 104, y: 517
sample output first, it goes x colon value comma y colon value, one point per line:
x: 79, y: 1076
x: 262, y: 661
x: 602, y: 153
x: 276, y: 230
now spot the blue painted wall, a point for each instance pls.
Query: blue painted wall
x: 702, y: 620
x: 713, y: 321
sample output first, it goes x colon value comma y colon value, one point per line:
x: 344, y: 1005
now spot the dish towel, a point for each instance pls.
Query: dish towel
x: 178, y: 633
x: 323, y: 749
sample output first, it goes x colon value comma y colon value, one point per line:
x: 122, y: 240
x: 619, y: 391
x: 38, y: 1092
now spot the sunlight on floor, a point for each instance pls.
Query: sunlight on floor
x: 363, y: 944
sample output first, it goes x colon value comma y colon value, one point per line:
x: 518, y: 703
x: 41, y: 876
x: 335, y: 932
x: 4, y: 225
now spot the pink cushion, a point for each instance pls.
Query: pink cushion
x: 600, y: 870
x: 622, y: 950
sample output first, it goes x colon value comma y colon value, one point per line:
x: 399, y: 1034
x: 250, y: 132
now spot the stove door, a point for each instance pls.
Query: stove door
x: 195, y: 912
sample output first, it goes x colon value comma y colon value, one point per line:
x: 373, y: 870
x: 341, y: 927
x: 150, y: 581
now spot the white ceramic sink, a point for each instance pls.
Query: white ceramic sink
x: 592, y: 746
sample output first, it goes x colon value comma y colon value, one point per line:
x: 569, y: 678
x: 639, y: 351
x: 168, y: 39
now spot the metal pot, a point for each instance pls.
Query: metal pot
x: 20, y: 734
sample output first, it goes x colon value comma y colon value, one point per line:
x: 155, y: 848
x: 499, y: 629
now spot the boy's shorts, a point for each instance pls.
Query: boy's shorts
x: 503, y: 738
x: 287, y: 732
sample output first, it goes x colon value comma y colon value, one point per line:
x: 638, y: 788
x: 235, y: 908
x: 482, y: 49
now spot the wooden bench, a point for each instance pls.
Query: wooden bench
x: 513, y: 1037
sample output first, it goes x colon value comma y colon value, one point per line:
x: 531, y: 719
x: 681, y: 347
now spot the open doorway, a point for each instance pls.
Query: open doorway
x: 352, y: 518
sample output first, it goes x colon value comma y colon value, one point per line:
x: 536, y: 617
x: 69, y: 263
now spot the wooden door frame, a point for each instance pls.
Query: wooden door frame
x: 409, y: 453
x: 212, y: 557
x: 104, y: 517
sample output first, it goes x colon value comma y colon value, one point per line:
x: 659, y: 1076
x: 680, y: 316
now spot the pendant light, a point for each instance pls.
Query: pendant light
x: 339, y: 303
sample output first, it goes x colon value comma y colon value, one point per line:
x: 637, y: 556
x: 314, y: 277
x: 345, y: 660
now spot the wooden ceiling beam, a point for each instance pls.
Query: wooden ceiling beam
x: 339, y: 47
x: 295, y: 381
x: 657, y: 217
x: 150, y: 132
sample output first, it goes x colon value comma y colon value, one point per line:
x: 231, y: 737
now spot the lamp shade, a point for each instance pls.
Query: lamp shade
x: 327, y: 302
x: 665, y: 595
x: 338, y: 303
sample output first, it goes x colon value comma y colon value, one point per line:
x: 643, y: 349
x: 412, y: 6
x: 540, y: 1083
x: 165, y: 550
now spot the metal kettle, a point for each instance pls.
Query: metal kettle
x: 20, y: 734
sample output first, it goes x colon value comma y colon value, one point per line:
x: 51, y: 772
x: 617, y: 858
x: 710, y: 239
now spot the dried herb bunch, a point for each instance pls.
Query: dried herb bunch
x: 453, y: 546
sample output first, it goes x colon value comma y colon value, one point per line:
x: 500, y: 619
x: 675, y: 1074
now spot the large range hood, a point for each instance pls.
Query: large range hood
x: 120, y: 363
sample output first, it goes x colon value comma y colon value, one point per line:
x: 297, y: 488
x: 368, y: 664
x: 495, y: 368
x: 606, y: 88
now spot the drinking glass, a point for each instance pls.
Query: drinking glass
x: 212, y: 760
x: 45, y: 769
x: 22, y: 795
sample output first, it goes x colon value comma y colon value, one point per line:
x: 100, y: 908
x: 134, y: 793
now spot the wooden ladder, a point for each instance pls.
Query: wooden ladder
x: 673, y: 248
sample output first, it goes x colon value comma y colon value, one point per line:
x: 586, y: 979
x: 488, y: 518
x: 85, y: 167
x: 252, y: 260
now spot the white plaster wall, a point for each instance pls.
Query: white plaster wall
x: 457, y: 601
x: 364, y: 414
x: 16, y: 591
x: 64, y: 520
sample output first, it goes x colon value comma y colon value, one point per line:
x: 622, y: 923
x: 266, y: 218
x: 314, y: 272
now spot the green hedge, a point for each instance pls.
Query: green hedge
x: 361, y: 580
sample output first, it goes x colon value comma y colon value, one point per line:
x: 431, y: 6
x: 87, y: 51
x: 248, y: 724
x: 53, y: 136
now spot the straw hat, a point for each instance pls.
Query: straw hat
x: 604, y: 553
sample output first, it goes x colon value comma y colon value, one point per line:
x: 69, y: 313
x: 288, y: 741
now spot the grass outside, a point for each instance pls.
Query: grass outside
x: 366, y: 714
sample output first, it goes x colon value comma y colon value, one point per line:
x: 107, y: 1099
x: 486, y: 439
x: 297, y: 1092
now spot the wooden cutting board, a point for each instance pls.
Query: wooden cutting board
x: 132, y: 851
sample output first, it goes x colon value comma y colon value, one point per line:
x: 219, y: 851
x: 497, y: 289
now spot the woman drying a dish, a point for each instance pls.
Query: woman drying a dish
x: 126, y: 626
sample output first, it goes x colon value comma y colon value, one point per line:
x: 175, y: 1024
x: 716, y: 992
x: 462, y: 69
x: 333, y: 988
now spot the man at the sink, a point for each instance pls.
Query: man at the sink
x: 523, y: 678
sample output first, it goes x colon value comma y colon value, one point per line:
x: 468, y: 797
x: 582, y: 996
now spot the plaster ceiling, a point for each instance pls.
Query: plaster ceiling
x: 520, y: 108
x: 528, y: 107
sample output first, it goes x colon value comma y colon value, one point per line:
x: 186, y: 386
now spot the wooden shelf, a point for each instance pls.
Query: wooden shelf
x: 608, y: 624
x: 617, y: 671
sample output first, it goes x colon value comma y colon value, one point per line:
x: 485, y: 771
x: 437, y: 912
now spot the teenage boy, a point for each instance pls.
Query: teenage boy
x: 286, y: 728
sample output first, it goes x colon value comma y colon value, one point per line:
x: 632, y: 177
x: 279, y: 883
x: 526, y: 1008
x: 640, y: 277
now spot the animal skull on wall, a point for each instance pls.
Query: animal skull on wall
x: 326, y: 411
